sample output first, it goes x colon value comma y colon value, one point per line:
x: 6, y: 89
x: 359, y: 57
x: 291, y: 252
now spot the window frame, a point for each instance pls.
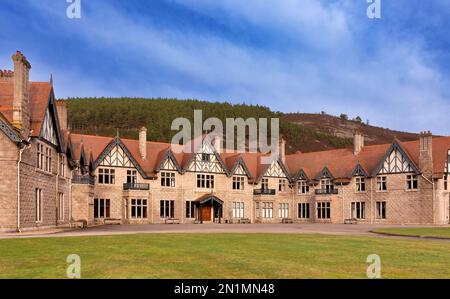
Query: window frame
x: 238, y: 182
x: 283, y: 210
x: 238, y: 209
x: 323, y: 209
x: 102, y: 208
x: 412, y: 182
x: 381, y: 183
x: 205, y: 181
x: 38, y: 205
x: 139, y: 207
x: 104, y: 173
x: 303, y: 210
x: 302, y: 187
x: 360, y: 184
x: 381, y: 210
x: 166, y: 208
x: 358, y: 210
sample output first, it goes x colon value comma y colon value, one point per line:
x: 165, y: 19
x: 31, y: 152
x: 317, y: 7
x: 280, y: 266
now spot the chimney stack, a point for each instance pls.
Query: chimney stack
x: 358, y: 142
x: 21, y: 103
x: 61, y: 108
x: 282, y: 149
x: 143, y: 143
x: 426, y: 153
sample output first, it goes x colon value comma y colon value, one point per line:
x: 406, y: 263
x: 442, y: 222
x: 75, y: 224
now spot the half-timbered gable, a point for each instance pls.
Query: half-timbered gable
x: 275, y: 170
x: 116, y: 158
x: 48, y: 129
x: 396, y: 160
x: 116, y: 154
x: 239, y: 170
x: 206, y: 160
x: 301, y: 176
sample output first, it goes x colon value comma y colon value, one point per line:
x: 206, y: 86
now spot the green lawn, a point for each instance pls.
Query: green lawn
x: 443, y: 232
x: 223, y: 256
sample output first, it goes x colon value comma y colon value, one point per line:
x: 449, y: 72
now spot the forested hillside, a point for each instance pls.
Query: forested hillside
x: 104, y: 116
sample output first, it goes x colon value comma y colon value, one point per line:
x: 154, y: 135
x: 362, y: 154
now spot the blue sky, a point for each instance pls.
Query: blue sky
x: 290, y: 55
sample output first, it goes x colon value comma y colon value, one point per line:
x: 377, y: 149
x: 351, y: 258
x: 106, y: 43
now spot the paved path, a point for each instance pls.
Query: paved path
x: 310, y: 228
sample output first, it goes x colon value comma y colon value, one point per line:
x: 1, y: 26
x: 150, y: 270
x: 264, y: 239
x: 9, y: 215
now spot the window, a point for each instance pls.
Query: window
x: 381, y: 183
x: 359, y: 210
x: 62, y: 165
x: 302, y: 187
x: 60, y: 206
x: 206, y: 157
x: 303, y: 210
x: 446, y: 182
x: 325, y: 184
x: 138, y: 208
x: 265, y: 183
x: 360, y: 184
x: 282, y: 185
x: 131, y: 177
x: 168, y: 179
x: 101, y: 208
x: 205, y: 181
x: 381, y: 209
x: 323, y: 210
x: 257, y: 210
x: 43, y: 157
x: 238, y: 210
x: 238, y: 183
x: 38, y: 205
x: 166, y: 208
x: 267, y: 209
x: 412, y: 182
x: 48, y: 159
x: 190, y: 209
x: 40, y: 156
x: 106, y: 176
x: 283, y: 210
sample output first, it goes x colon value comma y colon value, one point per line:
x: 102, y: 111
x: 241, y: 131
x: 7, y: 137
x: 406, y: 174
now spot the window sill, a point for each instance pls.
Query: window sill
x: 44, y: 172
x: 412, y: 190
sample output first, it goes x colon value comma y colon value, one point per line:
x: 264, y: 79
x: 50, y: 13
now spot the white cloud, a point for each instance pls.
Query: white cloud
x: 395, y: 86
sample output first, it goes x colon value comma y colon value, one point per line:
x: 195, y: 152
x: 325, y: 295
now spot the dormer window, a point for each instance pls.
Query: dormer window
x: 206, y: 157
x: 360, y: 184
x: 326, y: 185
x: 302, y: 187
x: 265, y: 183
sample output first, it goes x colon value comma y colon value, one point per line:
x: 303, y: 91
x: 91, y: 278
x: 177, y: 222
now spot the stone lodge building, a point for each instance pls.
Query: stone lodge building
x: 51, y: 177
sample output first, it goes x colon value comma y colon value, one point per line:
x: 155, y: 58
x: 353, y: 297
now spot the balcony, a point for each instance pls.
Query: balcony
x: 83, y: 180
x: 264, y: 192
x: 136, y: 186
x: 326, y: 191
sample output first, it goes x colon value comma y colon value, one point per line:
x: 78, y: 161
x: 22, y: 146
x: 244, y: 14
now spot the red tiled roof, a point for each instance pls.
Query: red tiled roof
x: 39, y: 95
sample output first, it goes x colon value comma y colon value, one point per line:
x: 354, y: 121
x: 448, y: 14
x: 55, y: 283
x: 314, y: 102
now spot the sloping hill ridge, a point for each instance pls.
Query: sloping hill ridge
x: 107, y: 116
x: 342, y: 128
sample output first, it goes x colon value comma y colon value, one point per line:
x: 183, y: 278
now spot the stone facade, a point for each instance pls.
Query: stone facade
x: 336, y: 186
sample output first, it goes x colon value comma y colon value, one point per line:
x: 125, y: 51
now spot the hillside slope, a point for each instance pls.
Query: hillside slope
x: 107, y: 116
x: 342, y: 128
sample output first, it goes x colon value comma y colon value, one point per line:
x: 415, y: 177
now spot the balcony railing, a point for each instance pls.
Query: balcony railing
x: 136, y: 186
x: 264, y: 192
x: 326, y: 191
x: 83, y: 180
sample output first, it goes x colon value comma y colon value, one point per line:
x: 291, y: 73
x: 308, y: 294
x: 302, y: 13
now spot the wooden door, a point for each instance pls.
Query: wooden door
x: 206, y: 213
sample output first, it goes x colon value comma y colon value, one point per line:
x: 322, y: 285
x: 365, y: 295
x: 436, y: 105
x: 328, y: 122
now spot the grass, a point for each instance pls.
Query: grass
x: 223, y: 256
x: 441, y: 232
